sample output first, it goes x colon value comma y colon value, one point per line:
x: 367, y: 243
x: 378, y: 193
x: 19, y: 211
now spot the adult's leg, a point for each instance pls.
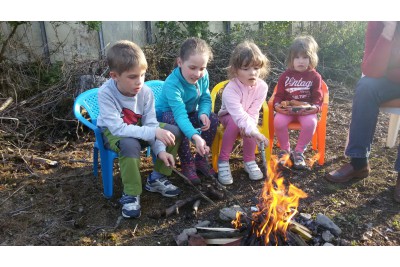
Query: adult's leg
x: 370, y: 94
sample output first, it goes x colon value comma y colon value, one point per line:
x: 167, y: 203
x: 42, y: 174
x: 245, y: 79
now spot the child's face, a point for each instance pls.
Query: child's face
x: 248, y: 75
x: 130, y: 82
x: 301, y: 62
x: 194, y: 67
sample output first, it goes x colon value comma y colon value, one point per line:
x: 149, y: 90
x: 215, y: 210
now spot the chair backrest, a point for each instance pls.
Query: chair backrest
x: 156, y: 86
x: 87, y: 100
x: 215, y: 91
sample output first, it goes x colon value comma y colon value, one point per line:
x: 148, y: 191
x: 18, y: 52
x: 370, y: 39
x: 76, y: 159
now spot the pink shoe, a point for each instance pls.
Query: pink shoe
x: 204, y: 167
x: 189, y: 170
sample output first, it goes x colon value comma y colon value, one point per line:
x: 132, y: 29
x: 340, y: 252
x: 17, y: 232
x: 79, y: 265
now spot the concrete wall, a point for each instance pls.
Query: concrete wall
x: 71, y: 41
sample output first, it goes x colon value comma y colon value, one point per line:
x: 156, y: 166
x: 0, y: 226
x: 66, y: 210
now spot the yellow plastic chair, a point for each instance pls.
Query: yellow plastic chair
x: 216, y: 145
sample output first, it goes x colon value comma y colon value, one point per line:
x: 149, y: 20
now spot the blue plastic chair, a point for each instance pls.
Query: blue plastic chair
x: 156, y: 86
x: 88, y: 101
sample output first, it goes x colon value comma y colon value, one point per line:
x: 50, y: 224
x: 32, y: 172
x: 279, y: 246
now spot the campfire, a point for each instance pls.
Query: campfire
x: 277, y: 205
x: 273, y: 220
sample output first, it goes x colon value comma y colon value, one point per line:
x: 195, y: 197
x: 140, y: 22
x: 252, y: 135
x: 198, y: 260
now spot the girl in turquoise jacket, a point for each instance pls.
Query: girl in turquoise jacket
x: 186, y: 102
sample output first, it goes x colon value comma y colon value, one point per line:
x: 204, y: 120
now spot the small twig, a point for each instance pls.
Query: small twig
x: 6, y: 104
x: 134, y: 231
x: 196, y: 207
x: 118, y: 222
x: 385, y: 237
x: 13, y: 194
x: 10, y: 118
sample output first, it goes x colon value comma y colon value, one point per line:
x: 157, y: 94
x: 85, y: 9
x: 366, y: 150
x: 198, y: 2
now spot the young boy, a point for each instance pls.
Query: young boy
x: 128, y: 122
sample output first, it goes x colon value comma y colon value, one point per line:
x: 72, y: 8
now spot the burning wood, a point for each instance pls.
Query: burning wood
x: 277, y: 205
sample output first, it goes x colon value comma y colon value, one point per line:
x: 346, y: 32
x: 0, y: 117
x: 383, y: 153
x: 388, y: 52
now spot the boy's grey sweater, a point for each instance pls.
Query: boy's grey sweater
x: 114, y: 106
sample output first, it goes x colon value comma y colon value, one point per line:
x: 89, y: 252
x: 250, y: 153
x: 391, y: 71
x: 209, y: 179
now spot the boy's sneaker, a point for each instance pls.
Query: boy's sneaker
x: 189, y: 170
x: 298, y: 161
x: 253, y: 170
x: 162, y: 186
x: 203, y: 166
x: 283, y: 157
x: 130, y: 206
x: 224, y: 173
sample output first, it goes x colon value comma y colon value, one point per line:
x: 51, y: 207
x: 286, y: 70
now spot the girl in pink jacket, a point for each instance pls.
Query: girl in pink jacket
x: 242, y: 100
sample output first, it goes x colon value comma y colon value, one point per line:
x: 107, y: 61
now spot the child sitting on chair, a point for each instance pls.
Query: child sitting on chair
x: 128, y: 122
x: 298, y: 98
x: 186, y: 102
x: 242, y: 100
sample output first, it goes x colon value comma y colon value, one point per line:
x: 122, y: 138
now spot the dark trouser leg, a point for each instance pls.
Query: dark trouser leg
x: 370, y: 93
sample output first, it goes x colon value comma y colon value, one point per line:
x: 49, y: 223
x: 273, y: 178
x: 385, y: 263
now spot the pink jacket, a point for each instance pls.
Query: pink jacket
x: 243, y: 103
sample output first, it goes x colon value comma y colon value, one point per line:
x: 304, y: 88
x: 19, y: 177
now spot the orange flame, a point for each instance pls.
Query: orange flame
x: 276, y: 207
x: 312, y: 160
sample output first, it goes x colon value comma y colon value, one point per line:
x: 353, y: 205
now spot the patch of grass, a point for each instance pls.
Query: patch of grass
x: 396, y: 225
x: 354, y: 243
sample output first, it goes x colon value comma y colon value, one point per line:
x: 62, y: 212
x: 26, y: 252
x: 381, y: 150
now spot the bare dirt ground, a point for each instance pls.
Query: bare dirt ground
x: 62, y: 205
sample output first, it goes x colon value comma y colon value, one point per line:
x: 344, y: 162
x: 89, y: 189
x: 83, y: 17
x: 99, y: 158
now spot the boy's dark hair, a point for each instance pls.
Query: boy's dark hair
x: 194, y: 45
x: 248, y: 54
x: 125, y: 55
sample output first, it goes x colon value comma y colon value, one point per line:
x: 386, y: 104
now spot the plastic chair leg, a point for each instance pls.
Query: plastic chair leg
x: 107, y: 164
x: 394, y: 124
x: 321, y: 146
x: 216, y: 147
x: 95, y: 161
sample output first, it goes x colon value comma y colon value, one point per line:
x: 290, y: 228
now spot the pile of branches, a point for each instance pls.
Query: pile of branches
x: 46, y: 112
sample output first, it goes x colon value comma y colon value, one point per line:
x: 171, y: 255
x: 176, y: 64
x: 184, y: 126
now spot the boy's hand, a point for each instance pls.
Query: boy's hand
x: 165, y: 136
x: 201, y: 146
x: 167, y: 158
x: 205, y: 121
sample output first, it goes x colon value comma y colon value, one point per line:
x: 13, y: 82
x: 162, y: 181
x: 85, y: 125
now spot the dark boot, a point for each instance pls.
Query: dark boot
x: 396, y: 194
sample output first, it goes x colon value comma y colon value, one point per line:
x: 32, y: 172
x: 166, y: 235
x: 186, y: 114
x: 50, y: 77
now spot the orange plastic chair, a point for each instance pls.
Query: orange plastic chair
x: 216, y: 145
x: 319, y: 137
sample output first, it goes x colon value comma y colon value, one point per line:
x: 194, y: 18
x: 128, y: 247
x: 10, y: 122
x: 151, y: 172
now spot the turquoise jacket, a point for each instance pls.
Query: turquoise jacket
x: 182, y: 98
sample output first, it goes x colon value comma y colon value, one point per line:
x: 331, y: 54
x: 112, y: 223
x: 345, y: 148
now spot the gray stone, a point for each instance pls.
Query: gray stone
x: 229, y: 213
x: 328, y: 224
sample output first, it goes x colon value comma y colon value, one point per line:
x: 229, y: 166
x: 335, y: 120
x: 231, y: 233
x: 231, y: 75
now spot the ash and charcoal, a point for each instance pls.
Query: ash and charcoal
x: 323, y: 232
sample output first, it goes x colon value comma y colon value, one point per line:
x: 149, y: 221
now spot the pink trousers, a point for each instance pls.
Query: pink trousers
x: 228, y: 140
x: 308, y: 125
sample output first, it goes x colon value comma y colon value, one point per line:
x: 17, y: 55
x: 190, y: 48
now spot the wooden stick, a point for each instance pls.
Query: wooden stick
x: 6, y: 104
x: 302, y: 231
x: 213, y: 235
x: 196, y: 206
x: 296, y: 238
x: 4, y: 201
x: 221, y: 241
x: 174, y: 208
